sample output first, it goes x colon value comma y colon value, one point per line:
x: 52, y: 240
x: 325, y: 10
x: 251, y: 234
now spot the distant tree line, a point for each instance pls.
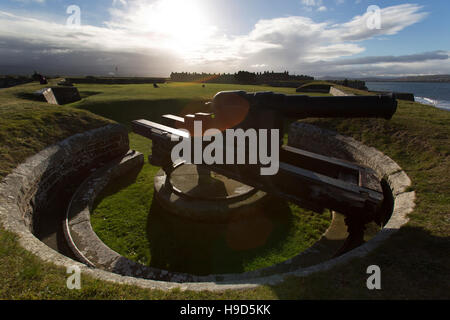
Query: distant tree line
x: 242, y: 77
x: 202, y: 77
x: 11, y: 81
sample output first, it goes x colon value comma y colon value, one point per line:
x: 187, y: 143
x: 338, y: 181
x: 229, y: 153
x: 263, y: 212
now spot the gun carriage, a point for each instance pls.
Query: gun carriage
x: 313, y: 181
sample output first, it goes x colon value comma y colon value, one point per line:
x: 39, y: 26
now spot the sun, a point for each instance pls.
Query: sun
x: 183, y: 24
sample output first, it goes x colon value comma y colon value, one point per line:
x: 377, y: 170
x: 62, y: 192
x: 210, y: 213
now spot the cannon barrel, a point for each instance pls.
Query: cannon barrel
x: 302, y: 106
x: 382, y: 106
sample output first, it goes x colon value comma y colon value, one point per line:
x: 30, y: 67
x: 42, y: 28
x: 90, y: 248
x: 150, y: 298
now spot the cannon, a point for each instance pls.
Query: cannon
x: 310, y: 180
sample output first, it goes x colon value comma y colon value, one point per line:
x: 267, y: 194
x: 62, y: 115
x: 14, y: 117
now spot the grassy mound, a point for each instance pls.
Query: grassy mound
x: 315, y: 86
x: 28, y: 125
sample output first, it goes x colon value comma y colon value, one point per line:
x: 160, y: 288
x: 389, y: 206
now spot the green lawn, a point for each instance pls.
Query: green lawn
x: 125, y: 103
x: 131, y: 222
x: 414, y: 262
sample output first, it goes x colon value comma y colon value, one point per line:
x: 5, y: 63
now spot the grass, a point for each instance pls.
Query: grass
x: 122, y: 219
x: 316, y: 83
x: 27, y: 126
x: 131, y: 222
x: 414, y: 262
x: 125, y: 103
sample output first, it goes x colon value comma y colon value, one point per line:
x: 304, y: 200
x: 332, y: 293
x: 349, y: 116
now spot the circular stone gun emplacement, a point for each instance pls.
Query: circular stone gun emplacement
x: 183, y: 193
x: 29, y: 186
x: 314, y: 181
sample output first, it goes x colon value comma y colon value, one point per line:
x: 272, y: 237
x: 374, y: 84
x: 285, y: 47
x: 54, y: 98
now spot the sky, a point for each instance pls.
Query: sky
x: 340, y: 38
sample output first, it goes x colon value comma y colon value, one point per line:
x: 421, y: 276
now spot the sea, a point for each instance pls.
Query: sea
x: 432, y: 93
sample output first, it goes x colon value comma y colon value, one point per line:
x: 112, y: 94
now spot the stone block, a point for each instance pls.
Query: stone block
x: 62, y: 95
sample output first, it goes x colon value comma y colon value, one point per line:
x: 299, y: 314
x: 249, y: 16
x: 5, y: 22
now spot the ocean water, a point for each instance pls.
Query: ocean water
x: 435, y: 94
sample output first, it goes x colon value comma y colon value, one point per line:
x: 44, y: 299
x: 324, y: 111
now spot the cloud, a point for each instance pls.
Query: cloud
x: 28, y: 1
x: 311, y: 3
x: 429, y: 67
x: 121, y: 2
x: 393, y: 20
x: 414, y: 64
x: 169, y: 35
x: 419, y: 57
x: 293, y: 40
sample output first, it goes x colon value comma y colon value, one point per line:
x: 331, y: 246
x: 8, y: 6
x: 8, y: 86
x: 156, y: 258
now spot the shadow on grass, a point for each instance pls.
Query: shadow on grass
x: 126, y: 111
x: 41, y: 98
x: 181, y: 245
x: 31, y: 97
x: 117, y: 185
x: 87, y: 94
x: 413, y: 263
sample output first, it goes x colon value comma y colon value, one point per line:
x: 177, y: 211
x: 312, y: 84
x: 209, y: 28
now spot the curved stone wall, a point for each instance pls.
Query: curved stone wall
x: 28, y: 186
x: 329, y: 143
x: 31, y: 185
